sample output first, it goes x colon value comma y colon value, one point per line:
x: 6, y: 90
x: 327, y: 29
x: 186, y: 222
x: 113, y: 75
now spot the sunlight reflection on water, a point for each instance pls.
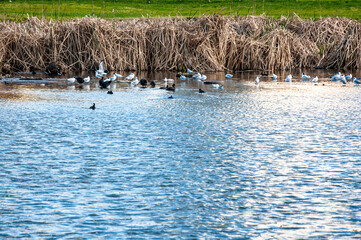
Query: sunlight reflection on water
x: 277, y: 161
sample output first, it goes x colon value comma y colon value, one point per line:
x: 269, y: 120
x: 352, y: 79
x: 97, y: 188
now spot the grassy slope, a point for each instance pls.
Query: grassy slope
x: 19, y: 10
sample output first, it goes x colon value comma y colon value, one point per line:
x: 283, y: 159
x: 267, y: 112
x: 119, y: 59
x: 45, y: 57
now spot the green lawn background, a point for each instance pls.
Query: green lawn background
x: 64, y: 9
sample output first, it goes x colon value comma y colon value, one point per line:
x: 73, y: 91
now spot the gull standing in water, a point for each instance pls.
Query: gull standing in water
x: 315, y: 80
x: 274, y: 77
x: 256, y: 81
x: 305, y: 77
x: 355, y: 81
x: 288, y: 78
x: 348, y: 77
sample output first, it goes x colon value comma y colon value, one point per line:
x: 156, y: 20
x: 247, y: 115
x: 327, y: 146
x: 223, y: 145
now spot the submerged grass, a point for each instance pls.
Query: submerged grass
x: 211, y: 43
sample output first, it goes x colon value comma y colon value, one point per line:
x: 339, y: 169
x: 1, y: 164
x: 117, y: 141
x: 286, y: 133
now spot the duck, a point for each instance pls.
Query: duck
x: 93, y: 106
x: 152, y: 84
x: 143, y: 82
x: 104, y: 83
x: 274, y: 77
x: 228, y: 75
x: 170, y: 97
x: 110, y: 92
x: 288, y: 78
x: 200, y: 91
x: 172, y: 88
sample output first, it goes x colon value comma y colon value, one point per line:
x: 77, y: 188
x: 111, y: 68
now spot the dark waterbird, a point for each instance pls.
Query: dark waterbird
x: 104, y: 83
x: 201, y: 91
x: 110, y: 92
x: 32, y: 70
x: 152, y: 84
x: 209, y: 82
x: 93, y: 106
x: 143, y: 82
x: 172, y: 88
x: 170, y: 97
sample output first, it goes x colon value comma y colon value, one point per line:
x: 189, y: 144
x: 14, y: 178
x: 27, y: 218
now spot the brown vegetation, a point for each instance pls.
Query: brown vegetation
x: 213, y: 43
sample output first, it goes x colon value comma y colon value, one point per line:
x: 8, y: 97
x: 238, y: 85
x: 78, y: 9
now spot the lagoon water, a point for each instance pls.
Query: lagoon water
x: 279, y: 161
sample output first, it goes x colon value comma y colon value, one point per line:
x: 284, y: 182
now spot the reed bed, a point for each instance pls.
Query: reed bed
x: 209, y: 43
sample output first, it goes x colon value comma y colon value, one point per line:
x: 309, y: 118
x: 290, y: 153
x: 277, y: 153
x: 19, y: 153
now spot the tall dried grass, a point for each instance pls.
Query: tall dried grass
x: 212, y: 43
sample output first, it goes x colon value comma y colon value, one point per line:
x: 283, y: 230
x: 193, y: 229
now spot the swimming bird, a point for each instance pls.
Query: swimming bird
x: 197, y: 75
x: 217, y: 86
x: 183, y: 77
x: 172, y: 88
x: 343, y: 79
x: 71, y: 80
x: 168, y: 80
x: 229, y: 75
x: 143, y: 82
x: 104, y: 83
x: 201, y: 91
x: 189, y: 71
x: 288, y: 78
x: 355, y: 81
x: 130, y: 77
x: 305, y: 77
x: 135, y: 82
x: 202, y: 77
x: 87, y: 79
x: 274, y: 77
x: 256, y: 81
x: 118, y: 75
x: 152, y: 84
x: 336, y: 77
x: 79, y: 79
x: 315, y: 79
x: 348, y: 77
x: 93, y: 107
x: 110, y: 92
x: 170, y: 97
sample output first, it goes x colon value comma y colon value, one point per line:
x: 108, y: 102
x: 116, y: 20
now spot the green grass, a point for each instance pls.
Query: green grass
x: 64, y: 9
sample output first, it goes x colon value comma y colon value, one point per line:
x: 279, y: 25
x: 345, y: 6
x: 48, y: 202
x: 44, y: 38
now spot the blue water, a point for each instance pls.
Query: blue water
x: 279, y: 161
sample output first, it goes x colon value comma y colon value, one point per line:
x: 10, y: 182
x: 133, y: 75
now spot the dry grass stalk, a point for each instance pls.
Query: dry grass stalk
x: 212, y: 43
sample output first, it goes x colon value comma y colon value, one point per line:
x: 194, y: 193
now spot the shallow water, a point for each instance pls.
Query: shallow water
x: 276, y: 161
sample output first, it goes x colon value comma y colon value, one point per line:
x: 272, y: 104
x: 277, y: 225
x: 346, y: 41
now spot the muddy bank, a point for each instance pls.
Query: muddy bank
x: 213, y: 43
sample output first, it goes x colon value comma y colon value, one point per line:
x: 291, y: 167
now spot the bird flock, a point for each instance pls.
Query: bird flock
x: 105, y: 82
x: 336, y: 78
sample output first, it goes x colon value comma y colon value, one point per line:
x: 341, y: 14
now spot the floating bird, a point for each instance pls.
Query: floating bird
x: 170, y: 97
x: 87, y: 79
x: 197, y: 75
x: 336, y: 77
x: 118, y: 75
x: 130, y: 77
x: 217, y: 86
x: 93, y: 107
x: 256, y: 81
x: 355, y: 81
x: 113, y: 78
x: 104, y: 83
x: 135, y: 82
x: 229, y: 75
x: 343, y: 79
x: 348, y: 77
x: 189, y: 71
x: 201, y: 91
x: 274, y: 77
x: 305, y: 77
x: 183, y: 77
x: 152, y: 84
x: 168, y: 80
x: 143, y: 82
x: 110, y: 92
x: 289, y: 78
x: 71, y: 80
x: 202, y: 78
x: 172, y: 88
x: 314, y: 80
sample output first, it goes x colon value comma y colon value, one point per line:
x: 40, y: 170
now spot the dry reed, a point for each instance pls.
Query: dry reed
x: 211, y: 43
